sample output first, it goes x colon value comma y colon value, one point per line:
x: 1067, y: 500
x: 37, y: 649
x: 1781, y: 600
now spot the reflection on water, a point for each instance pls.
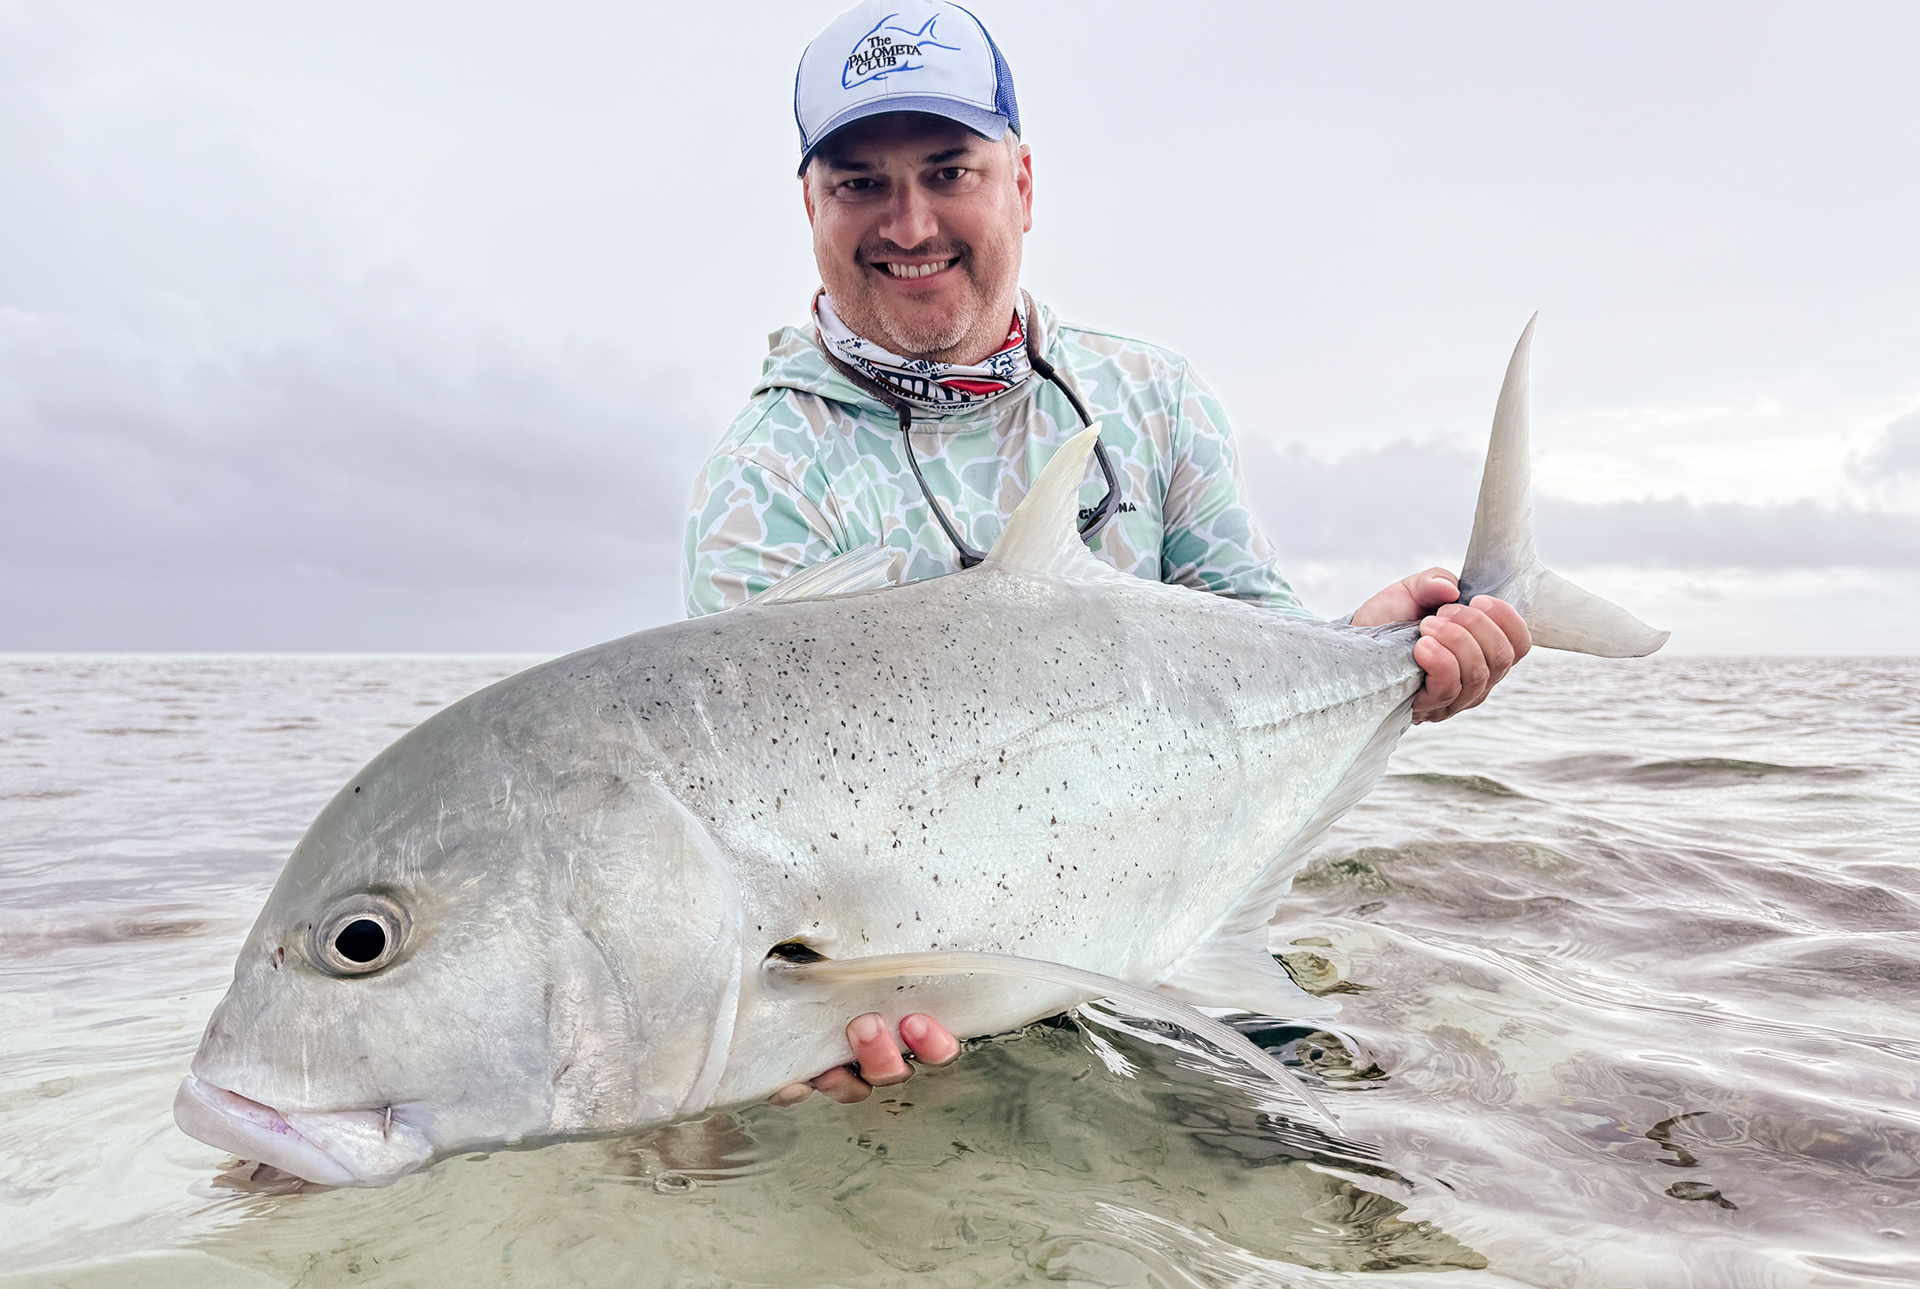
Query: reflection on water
x: 1627, y: 967
x: 1034, y: 1156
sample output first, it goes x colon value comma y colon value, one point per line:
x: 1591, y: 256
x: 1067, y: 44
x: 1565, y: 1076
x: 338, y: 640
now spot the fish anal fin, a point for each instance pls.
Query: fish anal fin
x: 1237, y: 944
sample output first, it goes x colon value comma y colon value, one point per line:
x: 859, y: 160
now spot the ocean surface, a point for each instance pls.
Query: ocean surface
x: 1629, y: 960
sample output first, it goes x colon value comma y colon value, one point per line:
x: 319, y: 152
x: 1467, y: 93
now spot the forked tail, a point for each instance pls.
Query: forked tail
x: 1500, y: 558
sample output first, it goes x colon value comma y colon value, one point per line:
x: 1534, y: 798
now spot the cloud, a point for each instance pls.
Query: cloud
x: 1412, y: 502
x: 226, y: 423
x: 1895, y: 457
x: 1680, y: 534
x: 408, y: 477
x: 1407, y: 501
x: 290, y: 310
x: 403, y: 478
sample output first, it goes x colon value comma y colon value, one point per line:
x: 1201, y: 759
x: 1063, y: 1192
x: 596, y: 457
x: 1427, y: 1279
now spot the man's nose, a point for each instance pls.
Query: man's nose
x: 910, y: 217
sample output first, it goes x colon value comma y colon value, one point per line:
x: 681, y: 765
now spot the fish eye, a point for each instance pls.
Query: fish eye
x: 361, y: 940
x: 360, y: 935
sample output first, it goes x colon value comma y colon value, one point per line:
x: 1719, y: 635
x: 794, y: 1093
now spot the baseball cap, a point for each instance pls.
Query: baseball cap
x: 902, y: 56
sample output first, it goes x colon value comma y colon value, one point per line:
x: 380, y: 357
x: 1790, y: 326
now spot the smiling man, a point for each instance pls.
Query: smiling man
x: 929, y: 390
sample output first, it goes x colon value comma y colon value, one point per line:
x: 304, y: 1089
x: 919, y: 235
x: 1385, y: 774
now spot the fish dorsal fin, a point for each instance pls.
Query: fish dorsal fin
x: 1044, y: 534
x: 865, y: 568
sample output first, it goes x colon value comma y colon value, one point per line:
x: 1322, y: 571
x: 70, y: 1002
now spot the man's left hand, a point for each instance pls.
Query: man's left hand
x: 1465, y: 649
x: 877, y: 1063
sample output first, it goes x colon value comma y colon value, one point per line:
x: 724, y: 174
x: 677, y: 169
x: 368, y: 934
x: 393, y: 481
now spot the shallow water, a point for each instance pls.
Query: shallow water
x: 1628, y: 965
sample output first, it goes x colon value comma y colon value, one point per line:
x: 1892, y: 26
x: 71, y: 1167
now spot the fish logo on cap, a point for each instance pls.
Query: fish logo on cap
x: 928, y: 56
x: 889, y: 49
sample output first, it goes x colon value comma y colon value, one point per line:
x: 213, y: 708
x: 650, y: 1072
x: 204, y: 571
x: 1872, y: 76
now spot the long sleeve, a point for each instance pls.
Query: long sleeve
x: 1212, y: 540
x: 747, y: 528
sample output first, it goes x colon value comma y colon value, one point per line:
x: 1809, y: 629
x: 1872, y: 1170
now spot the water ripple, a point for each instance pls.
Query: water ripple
x: 1626, y: 960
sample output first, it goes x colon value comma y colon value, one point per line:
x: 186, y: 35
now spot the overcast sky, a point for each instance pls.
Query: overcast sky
x: 404, y: 325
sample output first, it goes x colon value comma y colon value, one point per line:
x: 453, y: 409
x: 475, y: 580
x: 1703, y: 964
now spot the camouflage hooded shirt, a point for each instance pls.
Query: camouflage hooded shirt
x: 813, y: 468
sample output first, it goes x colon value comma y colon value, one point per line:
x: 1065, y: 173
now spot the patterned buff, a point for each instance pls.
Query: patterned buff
x: 929, y: 385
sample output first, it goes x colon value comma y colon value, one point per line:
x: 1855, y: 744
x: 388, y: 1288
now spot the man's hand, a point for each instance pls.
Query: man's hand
x: 876, y: 1061
x: 1465, y: 649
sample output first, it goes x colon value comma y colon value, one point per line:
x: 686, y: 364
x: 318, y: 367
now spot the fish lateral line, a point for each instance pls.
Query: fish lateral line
x: 788, y: 964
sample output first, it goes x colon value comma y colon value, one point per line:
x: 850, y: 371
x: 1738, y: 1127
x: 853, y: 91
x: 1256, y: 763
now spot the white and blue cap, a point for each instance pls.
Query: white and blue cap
x: 902, y: 56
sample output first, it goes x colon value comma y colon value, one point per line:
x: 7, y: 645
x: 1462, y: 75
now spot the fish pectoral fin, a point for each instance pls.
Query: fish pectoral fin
x: 955, y: 962
x: 1044, y: 534
x: 1237, y: 971
x: 865, y: 568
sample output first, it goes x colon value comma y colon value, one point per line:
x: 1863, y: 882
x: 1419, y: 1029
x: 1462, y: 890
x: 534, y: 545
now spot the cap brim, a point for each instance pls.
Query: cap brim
x: 983, y: 121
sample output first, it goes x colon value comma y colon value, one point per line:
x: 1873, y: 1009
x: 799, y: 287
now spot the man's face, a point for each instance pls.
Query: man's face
x: 917, y: 223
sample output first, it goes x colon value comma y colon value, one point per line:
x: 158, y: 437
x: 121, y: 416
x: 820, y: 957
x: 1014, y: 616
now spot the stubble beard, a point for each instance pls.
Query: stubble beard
x: 926, y: 337
x: 922, y: 333
x: 910, y: 332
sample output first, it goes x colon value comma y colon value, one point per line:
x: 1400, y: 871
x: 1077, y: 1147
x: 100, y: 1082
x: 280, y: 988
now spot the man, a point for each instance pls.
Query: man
x: 929, y: 390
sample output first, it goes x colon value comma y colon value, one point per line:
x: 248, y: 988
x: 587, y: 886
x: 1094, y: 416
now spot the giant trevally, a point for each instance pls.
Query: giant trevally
x: 548, y: 910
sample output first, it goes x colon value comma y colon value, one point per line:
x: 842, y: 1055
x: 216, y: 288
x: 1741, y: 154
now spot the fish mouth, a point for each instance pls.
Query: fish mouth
x: 326, y: 1147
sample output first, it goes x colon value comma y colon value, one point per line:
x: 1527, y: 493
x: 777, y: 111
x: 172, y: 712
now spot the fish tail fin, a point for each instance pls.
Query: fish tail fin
x: 1500, y: 556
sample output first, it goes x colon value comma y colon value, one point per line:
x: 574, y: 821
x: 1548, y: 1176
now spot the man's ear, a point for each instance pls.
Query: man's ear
x: 806, y: 193
x: 1023, y: 179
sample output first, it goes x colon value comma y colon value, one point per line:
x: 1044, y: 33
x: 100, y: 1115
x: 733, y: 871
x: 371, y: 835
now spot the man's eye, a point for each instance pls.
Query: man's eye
x: 860, y: 185
x: 950, y: 174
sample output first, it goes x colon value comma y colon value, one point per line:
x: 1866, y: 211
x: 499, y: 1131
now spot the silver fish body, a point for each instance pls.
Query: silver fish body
x: 575, y: 876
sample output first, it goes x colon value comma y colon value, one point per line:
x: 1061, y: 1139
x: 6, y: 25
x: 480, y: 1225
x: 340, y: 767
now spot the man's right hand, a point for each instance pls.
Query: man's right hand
x: 877, y: 1061
x: 1465, y: 649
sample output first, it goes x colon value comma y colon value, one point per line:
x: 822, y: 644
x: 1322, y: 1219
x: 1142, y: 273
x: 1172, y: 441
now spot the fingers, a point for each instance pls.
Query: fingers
x: 877, y: 1060
x: 1468, y: 676
x: 1495, y: 649
x: 1466, y: 650
x: 843, y: 1085
x: 1408, y: 599
x: 1436, y: 697
x: 931, y: 1042
x: 1432, y: 588
x: 1510, y: 623
x: 874, y: 1052
x: 792, y: 1094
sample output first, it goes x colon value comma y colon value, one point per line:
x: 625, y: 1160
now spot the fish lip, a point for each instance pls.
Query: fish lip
x: 253, y: 1130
